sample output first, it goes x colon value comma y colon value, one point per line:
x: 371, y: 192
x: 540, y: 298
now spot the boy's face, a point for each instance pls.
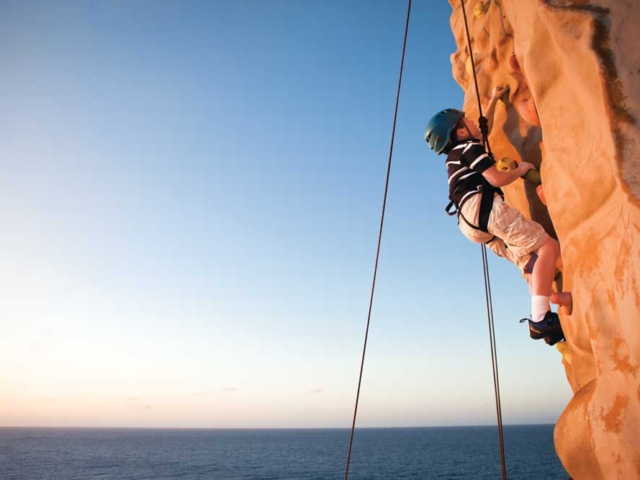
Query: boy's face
x: 467, y: 129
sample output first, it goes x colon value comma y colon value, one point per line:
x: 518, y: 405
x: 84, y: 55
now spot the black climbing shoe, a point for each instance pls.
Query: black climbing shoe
x: 554, y: 338
x: 548, y: 328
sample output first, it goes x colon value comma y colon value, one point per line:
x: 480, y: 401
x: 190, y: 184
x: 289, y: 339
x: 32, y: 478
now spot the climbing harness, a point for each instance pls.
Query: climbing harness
x: 375, y: 269
x: 483, y: 123
x: 487, y: 194
x: 438, y: 135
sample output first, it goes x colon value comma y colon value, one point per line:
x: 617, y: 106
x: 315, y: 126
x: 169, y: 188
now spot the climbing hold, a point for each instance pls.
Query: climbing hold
x: 564, y: 300
x: 528, y: 111
x: 477, y: 58
x: 534, y: 177
x: 506, y: 164
x: 468, y: 66
x: 481, y: 8
x: 514, y: 64
x: 565, y: 350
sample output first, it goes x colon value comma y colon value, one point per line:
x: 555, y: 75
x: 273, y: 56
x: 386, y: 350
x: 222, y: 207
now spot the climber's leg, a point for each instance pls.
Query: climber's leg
x: 545, y: 268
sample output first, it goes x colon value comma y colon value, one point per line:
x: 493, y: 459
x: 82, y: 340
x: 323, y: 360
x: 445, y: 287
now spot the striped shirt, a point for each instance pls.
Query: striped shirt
x: 465, y: 164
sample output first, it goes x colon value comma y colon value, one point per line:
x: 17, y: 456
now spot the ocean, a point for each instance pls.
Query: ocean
x: 378, y: 453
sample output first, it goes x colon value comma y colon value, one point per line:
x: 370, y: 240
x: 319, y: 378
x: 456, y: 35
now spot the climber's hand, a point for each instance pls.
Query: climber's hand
x: 498, y: 91
x: 524, y: 167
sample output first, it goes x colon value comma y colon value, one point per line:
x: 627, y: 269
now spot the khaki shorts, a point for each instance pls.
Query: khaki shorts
x: 517, y: 236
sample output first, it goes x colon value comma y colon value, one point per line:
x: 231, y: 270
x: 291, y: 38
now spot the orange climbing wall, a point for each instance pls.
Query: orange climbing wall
x: 575, y: 83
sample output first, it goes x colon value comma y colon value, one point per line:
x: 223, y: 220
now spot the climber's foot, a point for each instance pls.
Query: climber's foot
x: 554, y: 338
x: 549, y: 326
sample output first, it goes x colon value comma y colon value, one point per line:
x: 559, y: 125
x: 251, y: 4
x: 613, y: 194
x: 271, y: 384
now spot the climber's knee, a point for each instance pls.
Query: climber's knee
x: 551, y: 247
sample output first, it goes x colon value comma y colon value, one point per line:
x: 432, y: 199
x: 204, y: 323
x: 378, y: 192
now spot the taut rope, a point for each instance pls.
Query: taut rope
x: 483, y: 123
x: 375, y: 268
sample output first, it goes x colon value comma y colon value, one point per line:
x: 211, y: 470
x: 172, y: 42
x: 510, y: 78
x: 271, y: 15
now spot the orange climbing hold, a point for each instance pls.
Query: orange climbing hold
x: 564, y: 300
x: 514, y: 64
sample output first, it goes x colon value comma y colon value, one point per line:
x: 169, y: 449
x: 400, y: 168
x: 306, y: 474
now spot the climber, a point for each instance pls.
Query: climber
x: 474, y: 190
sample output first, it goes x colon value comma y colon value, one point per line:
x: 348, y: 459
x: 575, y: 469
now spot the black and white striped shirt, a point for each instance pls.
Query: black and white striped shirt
x: 465, y: 164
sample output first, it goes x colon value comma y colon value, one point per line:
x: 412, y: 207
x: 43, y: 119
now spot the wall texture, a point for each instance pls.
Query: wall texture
x: 573, y: 68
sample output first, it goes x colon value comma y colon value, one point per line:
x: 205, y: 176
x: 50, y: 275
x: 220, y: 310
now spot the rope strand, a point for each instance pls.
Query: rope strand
x: 485, y: 266
x: 494, y: 358
x: 375, y: 268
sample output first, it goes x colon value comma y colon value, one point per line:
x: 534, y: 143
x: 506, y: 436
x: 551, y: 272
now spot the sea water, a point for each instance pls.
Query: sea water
x: 384, y: 453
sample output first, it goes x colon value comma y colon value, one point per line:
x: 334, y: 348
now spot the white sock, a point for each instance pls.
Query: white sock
x: 539, y: 307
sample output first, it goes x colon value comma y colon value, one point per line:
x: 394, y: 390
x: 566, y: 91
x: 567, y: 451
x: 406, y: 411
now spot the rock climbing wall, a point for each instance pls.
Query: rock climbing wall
x: 573, y: 109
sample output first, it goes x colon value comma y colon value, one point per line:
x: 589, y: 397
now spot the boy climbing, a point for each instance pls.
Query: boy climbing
x: 484, y: 217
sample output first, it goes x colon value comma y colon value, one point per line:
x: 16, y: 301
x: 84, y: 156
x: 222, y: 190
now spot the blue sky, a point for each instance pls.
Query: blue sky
x: 191, y: 194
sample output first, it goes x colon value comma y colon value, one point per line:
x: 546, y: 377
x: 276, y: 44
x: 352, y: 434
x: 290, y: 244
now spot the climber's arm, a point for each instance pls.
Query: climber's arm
x: 499, y: 178
x: 496, y: 93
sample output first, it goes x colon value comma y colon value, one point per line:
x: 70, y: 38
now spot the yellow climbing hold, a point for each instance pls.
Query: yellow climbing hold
x: 565, y: 350
x: 534, y: 177
x: 469, y: 66
x: 481, y: 8
x: 506, y: 164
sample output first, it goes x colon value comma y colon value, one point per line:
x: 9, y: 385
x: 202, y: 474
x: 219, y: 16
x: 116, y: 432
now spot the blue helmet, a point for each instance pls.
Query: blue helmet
x: 439, y: 128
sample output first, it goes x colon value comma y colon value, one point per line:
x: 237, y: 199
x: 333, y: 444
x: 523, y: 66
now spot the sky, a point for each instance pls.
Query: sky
x: 190, y: 198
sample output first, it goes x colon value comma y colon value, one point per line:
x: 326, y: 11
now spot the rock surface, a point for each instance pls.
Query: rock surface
x: 573, y: 68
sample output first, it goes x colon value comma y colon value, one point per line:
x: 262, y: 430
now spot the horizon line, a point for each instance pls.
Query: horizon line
x: 41, y: 427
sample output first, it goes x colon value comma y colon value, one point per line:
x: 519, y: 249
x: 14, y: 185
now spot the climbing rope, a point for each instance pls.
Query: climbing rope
x: 375, y: 268
x: 483, y: 124
x: 484, y: 128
